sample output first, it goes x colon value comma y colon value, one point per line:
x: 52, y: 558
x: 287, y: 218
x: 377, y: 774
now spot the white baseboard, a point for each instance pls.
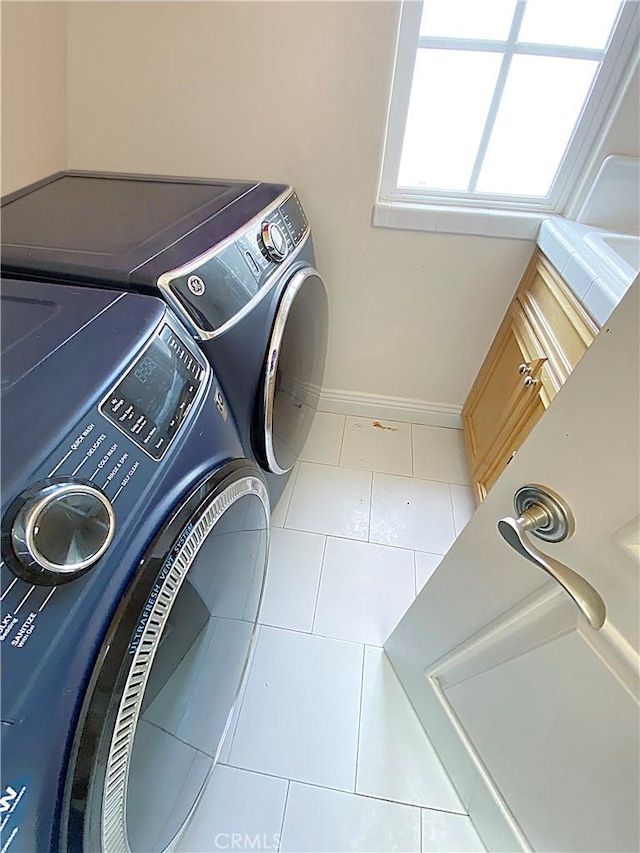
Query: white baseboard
x: 402, y: 409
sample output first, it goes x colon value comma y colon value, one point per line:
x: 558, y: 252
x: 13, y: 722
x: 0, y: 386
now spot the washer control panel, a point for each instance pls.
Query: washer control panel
x: 60, y: 529
x: 153, y: 398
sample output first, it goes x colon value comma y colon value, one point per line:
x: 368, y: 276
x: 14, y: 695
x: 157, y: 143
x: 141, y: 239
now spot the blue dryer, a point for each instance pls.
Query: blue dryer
x: 235, y: 261
x: 134, y: 545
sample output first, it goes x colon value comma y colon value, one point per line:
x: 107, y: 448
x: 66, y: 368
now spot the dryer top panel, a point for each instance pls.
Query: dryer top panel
x: 99, y: 215
x: 98, y: 227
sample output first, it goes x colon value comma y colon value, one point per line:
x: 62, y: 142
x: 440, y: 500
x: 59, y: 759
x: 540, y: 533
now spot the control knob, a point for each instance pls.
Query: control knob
x: 274, y: 241
x: 58, y: 530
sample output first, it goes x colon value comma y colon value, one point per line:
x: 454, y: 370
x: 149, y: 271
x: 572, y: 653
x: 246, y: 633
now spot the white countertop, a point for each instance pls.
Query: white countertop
x: 587, y: 260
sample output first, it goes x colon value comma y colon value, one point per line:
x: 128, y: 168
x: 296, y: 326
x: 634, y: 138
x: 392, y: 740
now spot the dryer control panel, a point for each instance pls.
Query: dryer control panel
x: 212, y: 293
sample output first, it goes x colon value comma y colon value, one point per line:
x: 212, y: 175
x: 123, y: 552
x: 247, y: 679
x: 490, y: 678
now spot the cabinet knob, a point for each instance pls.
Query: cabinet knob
x: 530, y: 381
x: 524, y: 368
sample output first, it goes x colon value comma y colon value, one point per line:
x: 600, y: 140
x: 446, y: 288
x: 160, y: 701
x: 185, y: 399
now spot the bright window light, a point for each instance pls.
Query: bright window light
x: 523, y: 155
x: 569, y: 22
x: 445, y: 122
x: 496, y: 101
x: 468, y: 19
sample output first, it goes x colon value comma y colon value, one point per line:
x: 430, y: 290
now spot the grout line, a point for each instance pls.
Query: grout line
x: 294, y: 479
x: 340, y: 467
x: 370, y: 507
x: 357, y: 642
x: 287, y: 628
x: 284, y: 813
x: 415, y: 573
x: 420, y: 832
x: 413, y: 464
x: 355, y: 781
x: 344, y: 429
x: 443, y: 811
x: 315, y: 606
x: 309, y: 634
x: 453, y: 515
x: 361, y: 541
x: 343, y: 790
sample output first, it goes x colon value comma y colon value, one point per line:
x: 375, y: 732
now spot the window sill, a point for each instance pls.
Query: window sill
x: 480, y: 222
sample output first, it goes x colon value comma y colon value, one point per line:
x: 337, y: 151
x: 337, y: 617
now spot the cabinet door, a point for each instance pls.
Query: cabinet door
x: 526, y: 414
x: 559, y: 322
x: 499, y: 403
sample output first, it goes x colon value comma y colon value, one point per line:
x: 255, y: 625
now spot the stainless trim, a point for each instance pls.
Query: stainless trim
x: 561, y: 524
x: 32, y: 515
x: 267, y: 231
x: 113, y: 819
x: 177, y: 327
x: 164, y: 281
x: 273, y: 355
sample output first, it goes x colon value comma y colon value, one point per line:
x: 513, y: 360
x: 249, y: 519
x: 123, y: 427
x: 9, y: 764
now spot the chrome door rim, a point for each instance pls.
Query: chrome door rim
x: 273, y: 356
x: 114, y: 834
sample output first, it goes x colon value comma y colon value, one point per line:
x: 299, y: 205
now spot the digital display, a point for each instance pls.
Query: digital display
x: 153, y: 399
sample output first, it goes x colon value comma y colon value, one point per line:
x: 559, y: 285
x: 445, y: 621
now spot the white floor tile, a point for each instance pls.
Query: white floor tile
x: 330, y: 500
x: 364, y: 590
x: 293, y: 576
x: 449, y: 833
x: 395, y: 758
x: 426, y: 564
x: 411, y: 513
x: 225, y: 752
x: 332, y: 822
x: 464, y: 505
x: 325, y: 439
x: 299, y: 718
x: 279, y: 511
x: 439, y: 454
x: 236, y: 804
x: 374, y: 445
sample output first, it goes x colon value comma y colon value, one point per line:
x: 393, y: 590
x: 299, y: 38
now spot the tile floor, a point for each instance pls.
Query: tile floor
x: 326, y: 753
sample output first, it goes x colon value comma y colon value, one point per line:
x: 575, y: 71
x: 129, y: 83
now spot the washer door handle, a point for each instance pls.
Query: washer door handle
x: 547, y: 517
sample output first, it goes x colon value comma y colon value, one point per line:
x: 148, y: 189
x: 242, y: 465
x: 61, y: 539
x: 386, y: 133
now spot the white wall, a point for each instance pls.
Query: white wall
x: 34, y: 91
x: 295, y: 92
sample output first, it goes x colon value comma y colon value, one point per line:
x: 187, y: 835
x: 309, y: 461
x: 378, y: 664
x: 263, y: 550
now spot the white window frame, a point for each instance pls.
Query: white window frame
x: 500, y: 214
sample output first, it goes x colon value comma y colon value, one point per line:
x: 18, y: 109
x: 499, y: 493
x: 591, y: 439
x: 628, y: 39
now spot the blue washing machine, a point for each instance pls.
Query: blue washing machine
x: 234, y: 260
x: 134, y: 547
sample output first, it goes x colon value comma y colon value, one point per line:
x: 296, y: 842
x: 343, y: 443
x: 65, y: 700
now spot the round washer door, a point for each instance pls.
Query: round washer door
x: 162, y: 697
x: 294, y: 370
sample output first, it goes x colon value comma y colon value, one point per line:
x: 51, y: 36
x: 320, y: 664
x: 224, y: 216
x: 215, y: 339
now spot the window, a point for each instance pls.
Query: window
x: 496, y: 104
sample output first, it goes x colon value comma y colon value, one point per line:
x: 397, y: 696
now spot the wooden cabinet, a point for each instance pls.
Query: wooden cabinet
x: 540, y: 340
